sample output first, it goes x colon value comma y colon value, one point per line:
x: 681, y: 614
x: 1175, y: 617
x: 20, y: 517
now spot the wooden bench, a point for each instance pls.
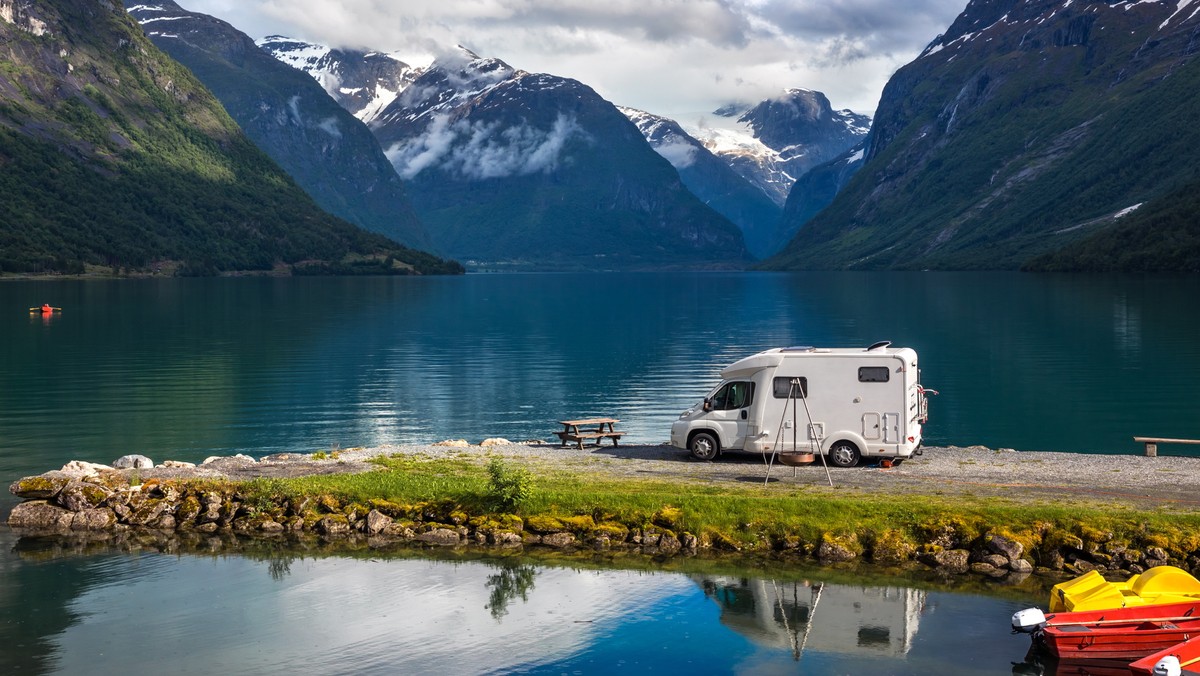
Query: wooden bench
x: 1153, y: 442
x: 603, y: 428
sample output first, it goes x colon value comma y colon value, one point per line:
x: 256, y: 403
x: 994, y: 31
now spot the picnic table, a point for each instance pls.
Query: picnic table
x: 578, y: 430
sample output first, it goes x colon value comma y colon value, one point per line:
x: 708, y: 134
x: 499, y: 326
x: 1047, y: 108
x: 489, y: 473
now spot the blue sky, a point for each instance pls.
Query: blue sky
x: 666, y: 56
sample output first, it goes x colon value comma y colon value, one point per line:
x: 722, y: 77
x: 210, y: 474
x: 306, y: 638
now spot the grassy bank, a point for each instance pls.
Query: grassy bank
x: 745, y: 516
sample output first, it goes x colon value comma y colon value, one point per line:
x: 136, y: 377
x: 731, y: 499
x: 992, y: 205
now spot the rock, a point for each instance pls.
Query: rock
x: 1020, y: 566
x: 833, y: 552
x: 133, y: 462
x: 177, y: 464
x: 377, y: 522
x: 439, y: 536
x: 454, y: 443
x: 93, y: 519
x: 948, y: 560
x: 43, y: 487
x: 981, y: 568
x: 80, y: 495
x: 334, y: 524
x: 669, y: 543
x: 505, y: 539
x: 495, y: 441
x: 1080, y: 566
x: 997, y: 561
x: 40, y: 515
x: 558, y: 540
x: 1157, y: 553
x: 81, y: 469
x: 1007, y: 547
x: 1054, y: 560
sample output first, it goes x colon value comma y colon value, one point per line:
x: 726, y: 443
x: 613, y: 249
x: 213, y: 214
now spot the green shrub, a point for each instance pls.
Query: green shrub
x: 508, y: 487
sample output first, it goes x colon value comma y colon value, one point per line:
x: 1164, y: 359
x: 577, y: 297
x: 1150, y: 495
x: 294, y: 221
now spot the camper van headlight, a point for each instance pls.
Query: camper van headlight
x: 687, y: 414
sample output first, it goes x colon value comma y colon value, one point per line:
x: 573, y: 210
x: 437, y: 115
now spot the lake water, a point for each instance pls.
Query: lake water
x: 121, y: 613
x: 184, y: 369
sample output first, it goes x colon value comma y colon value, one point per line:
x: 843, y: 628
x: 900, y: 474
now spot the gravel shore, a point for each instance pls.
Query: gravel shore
x: 1168, y: 482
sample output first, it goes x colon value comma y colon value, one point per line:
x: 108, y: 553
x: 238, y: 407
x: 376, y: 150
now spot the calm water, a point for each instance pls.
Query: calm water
x: 183, y: 369
x: 192, y: 614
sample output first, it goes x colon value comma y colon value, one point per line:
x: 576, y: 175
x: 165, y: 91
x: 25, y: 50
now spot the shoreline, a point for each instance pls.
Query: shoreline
x: 213, y: 499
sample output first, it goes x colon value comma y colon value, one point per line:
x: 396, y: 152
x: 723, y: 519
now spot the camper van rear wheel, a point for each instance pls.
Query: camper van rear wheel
x: 704, y: 446
x: 844, y: 454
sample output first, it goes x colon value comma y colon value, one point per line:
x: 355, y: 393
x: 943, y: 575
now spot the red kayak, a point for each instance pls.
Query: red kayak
x: 1119, y: 633
x: 1178, y: 660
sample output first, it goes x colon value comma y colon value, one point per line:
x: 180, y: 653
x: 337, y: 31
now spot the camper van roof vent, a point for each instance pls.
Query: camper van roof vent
x: 799, y: 348
x: 880, y: 345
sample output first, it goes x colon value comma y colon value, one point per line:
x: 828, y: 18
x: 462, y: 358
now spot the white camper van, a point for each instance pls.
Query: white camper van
x: 846, y: 403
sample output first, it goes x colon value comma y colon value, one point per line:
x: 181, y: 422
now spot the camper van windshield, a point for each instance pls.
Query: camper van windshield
x: 733, y: 396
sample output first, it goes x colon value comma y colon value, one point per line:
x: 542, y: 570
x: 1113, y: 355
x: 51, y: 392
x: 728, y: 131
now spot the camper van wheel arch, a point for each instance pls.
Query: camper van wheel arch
x: 704, y: 446
x: 844, y: 454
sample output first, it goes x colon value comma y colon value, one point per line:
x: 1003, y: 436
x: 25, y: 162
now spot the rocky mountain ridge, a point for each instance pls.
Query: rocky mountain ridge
x: 1027, y: 128
x: 115, y: 156
x: 330, y: 153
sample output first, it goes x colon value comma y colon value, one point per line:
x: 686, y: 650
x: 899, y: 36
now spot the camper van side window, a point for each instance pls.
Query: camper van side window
x: 782, y: 388
x: 874, y: 374
x: 733, y: 396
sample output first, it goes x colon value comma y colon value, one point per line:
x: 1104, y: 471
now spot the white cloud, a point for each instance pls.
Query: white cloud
x: 681, y: 155
x: 664, y: 56
x: 480, y: 150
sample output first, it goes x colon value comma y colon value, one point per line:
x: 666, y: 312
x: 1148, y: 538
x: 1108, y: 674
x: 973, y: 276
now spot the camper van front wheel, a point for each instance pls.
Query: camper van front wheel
x: 844, y: 454
x: 704, y: 446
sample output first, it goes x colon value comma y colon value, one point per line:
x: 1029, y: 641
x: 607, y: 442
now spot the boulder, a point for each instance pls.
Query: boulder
x: 133, y: 462
x: 834, y: 552
x: 495, y: 441
x: 80, y: 469
x: 995, y: 560
x: 559, y: 540
x: 42, y: 487
x: 377, y: 522
x: 453, y: 443
x: 1006, y: 547
x: 93, y: 519
x: 1020, y: 566
x: 177, y: 464
x: 439, y: 536
x: 981, y: 568
x: 80, y: 495
x: 948, y: 560
x: 40, y: 515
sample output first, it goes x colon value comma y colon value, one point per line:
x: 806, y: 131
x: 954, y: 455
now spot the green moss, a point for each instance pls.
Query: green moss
x: 544, y: 524
x: 668, y: 517
x: 891, y: 546
x: 580, y: 525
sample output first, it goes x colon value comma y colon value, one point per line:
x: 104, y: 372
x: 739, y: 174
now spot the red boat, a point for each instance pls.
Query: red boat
x: 1181, y: 659
x: 1119, y: 633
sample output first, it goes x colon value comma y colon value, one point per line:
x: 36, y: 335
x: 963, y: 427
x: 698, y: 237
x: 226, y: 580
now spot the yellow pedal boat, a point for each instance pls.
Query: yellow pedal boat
x: 1161, y: 584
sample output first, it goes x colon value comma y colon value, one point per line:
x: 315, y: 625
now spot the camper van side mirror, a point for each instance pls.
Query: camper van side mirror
x: 707, y: 404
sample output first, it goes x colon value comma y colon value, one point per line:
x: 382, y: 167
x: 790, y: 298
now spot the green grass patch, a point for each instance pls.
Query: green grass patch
x: 748, y: 515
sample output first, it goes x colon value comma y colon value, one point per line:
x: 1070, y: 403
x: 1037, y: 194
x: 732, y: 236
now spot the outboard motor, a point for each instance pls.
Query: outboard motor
x: 1028, y: 621
x: 1167, y: 666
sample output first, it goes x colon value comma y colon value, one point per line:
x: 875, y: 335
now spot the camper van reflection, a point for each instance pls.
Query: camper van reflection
x: 822, y: 617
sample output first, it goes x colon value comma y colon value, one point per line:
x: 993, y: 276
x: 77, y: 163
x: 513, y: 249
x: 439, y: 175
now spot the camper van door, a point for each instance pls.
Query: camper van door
x: 729, y: 411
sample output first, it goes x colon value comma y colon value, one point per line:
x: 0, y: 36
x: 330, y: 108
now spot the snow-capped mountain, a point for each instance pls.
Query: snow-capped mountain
x: 328, y: 152
x: 362, y: 82
x: 714, y: 181
x: 775, y: 142
x: 507, y: 166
